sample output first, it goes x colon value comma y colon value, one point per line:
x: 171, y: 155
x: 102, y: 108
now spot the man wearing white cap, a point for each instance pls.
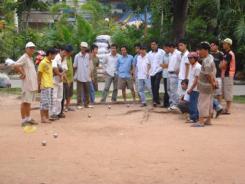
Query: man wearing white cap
x: 25, y: 66
x: 83, y: 74
x: 228, y: 68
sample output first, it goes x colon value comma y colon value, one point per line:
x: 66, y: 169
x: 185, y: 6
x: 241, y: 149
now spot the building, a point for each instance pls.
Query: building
x: 38, y: 19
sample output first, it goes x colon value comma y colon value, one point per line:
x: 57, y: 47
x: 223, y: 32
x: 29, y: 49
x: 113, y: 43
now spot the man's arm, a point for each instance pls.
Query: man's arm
x: 187, y: 69
x: 39, y: 77
x: 193, y: 85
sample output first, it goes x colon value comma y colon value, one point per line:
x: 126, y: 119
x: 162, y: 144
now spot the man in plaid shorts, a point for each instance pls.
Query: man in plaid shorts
x: 45, y: 84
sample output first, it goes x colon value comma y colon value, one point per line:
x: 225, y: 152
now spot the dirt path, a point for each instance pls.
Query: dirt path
x: 121, y: 145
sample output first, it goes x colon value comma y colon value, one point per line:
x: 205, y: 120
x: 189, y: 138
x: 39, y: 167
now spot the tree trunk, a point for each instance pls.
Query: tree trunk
x: 145, y: 22
x: 179, y: 18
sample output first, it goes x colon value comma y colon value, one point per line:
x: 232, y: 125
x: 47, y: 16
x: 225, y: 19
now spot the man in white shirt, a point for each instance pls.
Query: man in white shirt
x: 83, y: 75
x: 142, y: 72
x: 166, y: 48
x: 173, y: 72
x: 58, y: 70
x: 25, y: 66
x: 110, y: 67
x: 155, y: 57
x: 192, y: 86
x: 184, y: 63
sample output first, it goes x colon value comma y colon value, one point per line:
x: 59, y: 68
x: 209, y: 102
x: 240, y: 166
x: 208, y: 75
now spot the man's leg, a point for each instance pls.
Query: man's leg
x: 108, y: 80
x: 124, y: 94
x: 85, y: 92
x: 141, y: 89
x: 44, y: 106
x: 91, y: 92
x: 157, y: 86
x: 55, y: 105
x: 79, y: 93
x: 115, y: 90
x: 153, y: 78
x: 166, y: 97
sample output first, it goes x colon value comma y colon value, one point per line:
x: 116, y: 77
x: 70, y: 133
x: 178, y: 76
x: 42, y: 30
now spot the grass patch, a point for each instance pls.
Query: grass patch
x: 239, y: 99
x: 10, y: 91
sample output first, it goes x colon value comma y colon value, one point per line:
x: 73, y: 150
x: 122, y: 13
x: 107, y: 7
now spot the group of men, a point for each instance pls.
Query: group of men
x: 194, y: 82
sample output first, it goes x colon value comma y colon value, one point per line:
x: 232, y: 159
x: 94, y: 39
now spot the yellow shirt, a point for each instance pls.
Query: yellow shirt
x: 45, y: 67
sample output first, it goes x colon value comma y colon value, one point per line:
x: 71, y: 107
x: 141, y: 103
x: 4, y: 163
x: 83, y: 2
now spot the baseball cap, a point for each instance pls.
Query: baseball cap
x: 30, y: 44
x: 228, y: 40
x: 84, y: 44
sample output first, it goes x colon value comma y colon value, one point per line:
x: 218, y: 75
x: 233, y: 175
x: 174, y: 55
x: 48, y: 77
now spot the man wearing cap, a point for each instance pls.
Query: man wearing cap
x: 228, y: 73
x: 25, y: 66
x: 206, y: 85
x: 83, y: 75
x: 192, y: 86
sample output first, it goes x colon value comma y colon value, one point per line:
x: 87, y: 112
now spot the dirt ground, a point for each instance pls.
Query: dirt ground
x: 121, y: 145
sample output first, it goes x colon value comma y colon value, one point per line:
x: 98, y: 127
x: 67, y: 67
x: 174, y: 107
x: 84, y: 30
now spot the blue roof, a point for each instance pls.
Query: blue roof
x: 131, y: 17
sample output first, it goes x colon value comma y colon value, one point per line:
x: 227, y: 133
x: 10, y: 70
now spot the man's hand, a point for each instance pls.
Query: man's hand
x: 189, y: 91
x: 22, y: 76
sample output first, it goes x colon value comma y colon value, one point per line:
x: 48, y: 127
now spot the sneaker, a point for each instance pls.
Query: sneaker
x: 173, y: 107
x: 32, y: 122
x: 23, y: 124
x: 218, y: 113
x: 70, y: 109
x: 79, y: 107
x: 143, y: 105
x: 53, y: 118
x: 190, y: 121
x: 154, y: 105
x: 62, y: 115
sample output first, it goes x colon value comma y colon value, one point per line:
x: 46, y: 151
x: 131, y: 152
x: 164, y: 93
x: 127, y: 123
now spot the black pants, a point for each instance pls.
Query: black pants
x: 155, y: 85
x: 165, y: 97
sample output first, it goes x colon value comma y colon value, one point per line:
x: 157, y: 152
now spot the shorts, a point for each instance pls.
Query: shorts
x: 125, y: 83
x: 46, y: 100
x: 68, y: 90
x: 28, y: 96
x: 228, y: 88
x: 218, y: 91
x: 205, y: 104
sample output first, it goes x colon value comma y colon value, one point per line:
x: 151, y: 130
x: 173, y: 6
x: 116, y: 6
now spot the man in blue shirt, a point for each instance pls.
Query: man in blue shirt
x: 124, y: 71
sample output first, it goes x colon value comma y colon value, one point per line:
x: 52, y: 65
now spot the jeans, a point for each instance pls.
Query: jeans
x: 155, y: 85
x: 108, y: 80
x: 91, y: 93
x: 193, y: 110
x: 216, y: 105
x: 173, y: 89
x: 142, y: 84
x: 166, y: 96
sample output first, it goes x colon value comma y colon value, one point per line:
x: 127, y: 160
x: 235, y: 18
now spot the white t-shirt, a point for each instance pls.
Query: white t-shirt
x: 183, y: 62
x: 30, y: 81
x: 194, y: 71
x: 174, y: 61
x: 156, y: 59
x: 56, y: 63
x: 110, y: 64
x: 142, y: 66
x: 84, y: 67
